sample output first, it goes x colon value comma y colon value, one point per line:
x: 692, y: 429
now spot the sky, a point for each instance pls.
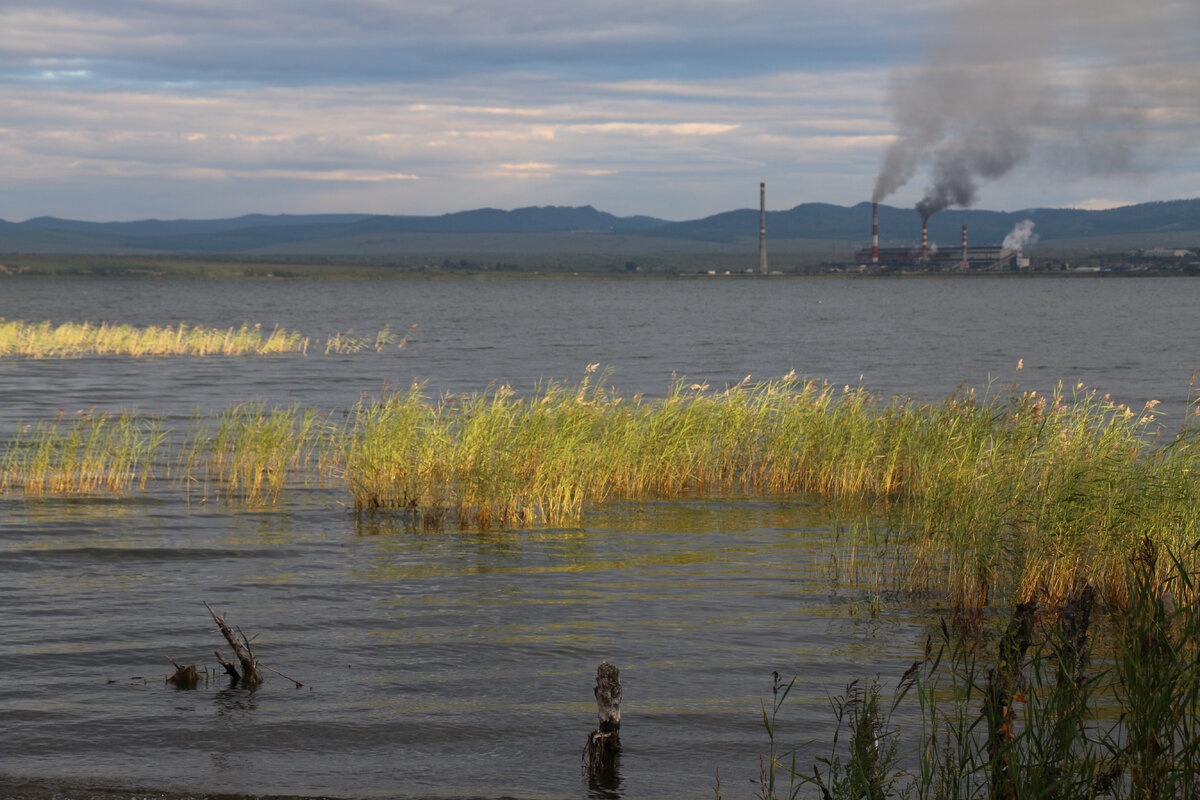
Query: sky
x: 135, y: 109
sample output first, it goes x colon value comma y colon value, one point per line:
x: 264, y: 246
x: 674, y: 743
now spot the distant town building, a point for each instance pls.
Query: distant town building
x: 1166, y: 252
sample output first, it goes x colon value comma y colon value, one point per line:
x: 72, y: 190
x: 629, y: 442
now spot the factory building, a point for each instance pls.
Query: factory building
x: 935, y: 259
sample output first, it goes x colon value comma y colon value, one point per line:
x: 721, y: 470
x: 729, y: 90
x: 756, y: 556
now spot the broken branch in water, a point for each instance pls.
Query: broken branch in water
x: 280, y: 674
x: 249, y: 675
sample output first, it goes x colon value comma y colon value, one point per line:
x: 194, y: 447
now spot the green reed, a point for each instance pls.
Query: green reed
x: 248, y: 453
x: 994, y: 495
x: 1087, y: 699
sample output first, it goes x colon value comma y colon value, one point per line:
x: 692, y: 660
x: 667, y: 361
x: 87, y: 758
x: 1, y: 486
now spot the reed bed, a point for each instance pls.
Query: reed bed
x: 1085, y: 699
x: 70, y: 339
x: 1012, y: 494
x: 19, y: 339
x: 1017, y: 493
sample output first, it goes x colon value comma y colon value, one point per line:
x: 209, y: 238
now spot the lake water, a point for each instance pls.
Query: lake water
x: 460, y: 664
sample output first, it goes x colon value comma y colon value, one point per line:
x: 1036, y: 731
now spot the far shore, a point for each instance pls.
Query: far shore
x: 569, y: 266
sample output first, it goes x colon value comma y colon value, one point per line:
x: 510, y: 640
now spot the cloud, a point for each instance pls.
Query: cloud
x: 440, y: 132
x: 309, y: 42
x: 655, y: 129
x: 670, y: 108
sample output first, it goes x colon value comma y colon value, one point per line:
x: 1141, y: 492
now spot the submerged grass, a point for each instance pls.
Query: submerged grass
x: 1012, y: 494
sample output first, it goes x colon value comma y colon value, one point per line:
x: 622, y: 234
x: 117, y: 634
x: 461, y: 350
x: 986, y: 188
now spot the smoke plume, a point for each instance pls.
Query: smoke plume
x: 1021, y: 236
x: 1004, y: 82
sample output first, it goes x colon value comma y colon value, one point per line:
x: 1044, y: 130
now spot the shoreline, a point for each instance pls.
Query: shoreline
x: 179, y: 269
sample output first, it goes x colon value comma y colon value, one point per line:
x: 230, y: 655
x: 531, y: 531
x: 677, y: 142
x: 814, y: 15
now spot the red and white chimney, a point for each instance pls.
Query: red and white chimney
x: 964, y: 244
x: 874, y: 233
x: 924, y: 240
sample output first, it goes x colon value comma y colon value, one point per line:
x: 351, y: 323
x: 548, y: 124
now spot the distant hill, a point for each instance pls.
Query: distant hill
x: 178, y: 227
x: 817, y: 223
x: 903, y: 225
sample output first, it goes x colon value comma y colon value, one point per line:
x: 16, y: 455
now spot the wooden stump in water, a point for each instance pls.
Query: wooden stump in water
x: 184, y: 677
x: 604, y: 743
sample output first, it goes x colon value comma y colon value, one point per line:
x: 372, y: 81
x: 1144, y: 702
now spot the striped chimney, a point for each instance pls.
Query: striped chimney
x: 874, y: 233
x: 964, y: 246
x: 924, y: 240
x: 762, y: 228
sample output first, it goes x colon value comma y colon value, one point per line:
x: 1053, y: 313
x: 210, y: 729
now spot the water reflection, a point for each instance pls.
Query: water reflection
x: 234, y: 702
x: 387, y: 523
x: 604, y: 781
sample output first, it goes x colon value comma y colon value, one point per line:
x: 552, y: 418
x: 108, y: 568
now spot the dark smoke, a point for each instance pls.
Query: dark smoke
x: 1007, y: 81
x: 956, y: 170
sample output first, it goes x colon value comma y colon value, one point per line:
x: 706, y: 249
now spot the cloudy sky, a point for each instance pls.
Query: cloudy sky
x: 129, y: 109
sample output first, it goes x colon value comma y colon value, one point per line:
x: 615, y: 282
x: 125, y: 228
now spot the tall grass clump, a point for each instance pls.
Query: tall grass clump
x: 87, y: 454
x: 1031, y: 494
x: 496, y: 456
x: 393, y: 453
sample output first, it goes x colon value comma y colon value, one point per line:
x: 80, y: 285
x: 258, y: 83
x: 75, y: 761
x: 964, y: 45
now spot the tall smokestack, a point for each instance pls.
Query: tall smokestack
x: 762, y: 228
x: 874, y: 233
x: 924, y: 240
x: 964, y: 246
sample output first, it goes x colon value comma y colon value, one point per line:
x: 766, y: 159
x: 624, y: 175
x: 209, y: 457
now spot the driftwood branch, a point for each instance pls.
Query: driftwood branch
x: 230, y: 669
x: 249, y: 674
x: 280, y: 674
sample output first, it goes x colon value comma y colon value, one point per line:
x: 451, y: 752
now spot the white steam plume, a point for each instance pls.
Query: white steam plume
x: 1021, y: 236
x: 1072, y: 81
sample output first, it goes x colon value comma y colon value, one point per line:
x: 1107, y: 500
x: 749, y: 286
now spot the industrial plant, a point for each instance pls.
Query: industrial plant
x: 934, y: 258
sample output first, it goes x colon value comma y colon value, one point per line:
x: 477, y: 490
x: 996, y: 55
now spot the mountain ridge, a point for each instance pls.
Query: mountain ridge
x: 807, y: 221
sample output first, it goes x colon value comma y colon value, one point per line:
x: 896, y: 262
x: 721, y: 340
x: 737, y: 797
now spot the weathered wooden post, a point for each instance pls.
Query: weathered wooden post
x: 604, y: 743
x: 1002, y: 684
